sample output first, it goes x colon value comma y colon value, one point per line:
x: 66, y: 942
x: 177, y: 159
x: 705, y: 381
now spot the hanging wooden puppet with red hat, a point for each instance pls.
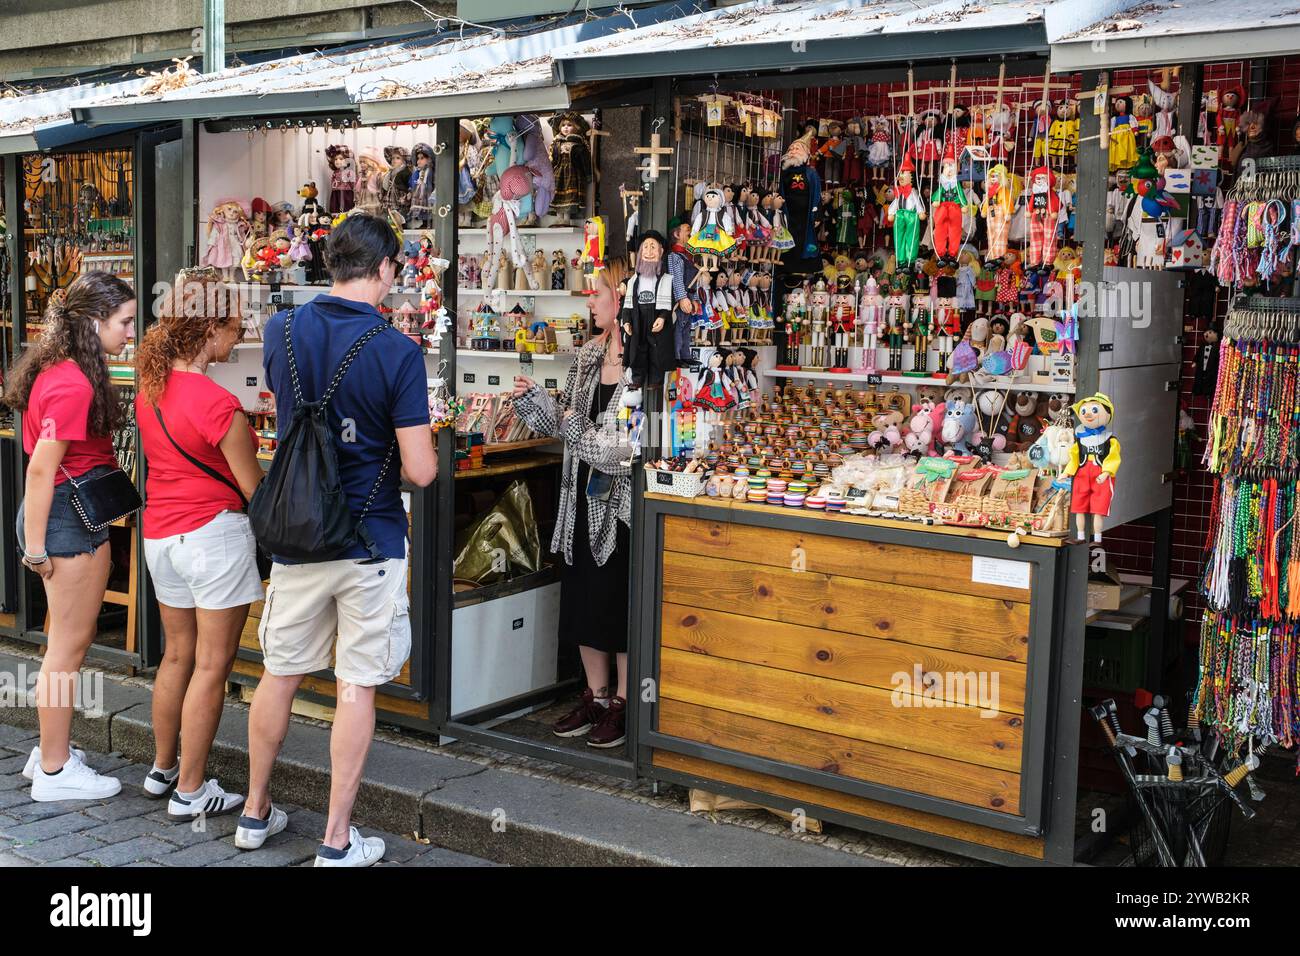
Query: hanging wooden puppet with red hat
x: 905, y: 214
x: 948, y: 201
x: 1044, y: 209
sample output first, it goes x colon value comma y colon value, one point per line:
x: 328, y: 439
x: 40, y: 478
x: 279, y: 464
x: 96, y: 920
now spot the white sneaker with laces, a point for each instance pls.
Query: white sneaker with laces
x: 75, y: 781
x: 210, y: 801
x: 360, y: 851
x: 252, y: 832
x: 29, y: 771
x: 157, y: 783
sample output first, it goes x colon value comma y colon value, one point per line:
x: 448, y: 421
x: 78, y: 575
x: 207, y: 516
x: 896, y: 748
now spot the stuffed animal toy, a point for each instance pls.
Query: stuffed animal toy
x: 887, y: 431
x: 1027, y: 423
x: 961, y: 429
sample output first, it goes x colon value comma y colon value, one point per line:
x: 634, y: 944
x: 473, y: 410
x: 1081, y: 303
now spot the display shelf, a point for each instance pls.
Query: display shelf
x: 524, y: 463
x: 320, y: 289
x: 510, y: 353
x: 522, y: 230
x: 523, y: 293
x: 505, y: 447
x: 1028, y: 384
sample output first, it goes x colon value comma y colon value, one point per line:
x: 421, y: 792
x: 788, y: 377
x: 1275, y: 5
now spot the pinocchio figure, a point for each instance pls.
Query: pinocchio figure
x: 1093, y: 464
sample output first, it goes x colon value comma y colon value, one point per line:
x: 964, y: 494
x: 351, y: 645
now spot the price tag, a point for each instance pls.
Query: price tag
x: 1099, y: 102
x: 552, y: 383
x: 250, y: 381
x: 985, y: 449
x: 275, y: 285
x: 855, y: 493
x: 494, y: 379
x: 275, y: 299
x: 874, y: 379
x: 467, y: 378
x: 664, y: 477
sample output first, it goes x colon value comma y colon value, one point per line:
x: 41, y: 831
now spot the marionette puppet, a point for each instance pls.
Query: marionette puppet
x: 649, y: 350
x: 999, y: 203
x: 1093, y: 465
x: 687, y: 310
x: 571, y: 162
x: 1044, y: 209
x: 1206, y: 374
x: 591, y: 257
x: 1042, y: 129
x: 228, y: 232
x: 947, y: 202
x: 343, y: 178
x: 964, y: 291
x: 905, y: 214
x: 927, y: 145
x: 1123, y: 134
x: 830, y: 154
x: 420, y: 186
x: 880, y: 148
x: 801, y: 187
x: 711, y: 229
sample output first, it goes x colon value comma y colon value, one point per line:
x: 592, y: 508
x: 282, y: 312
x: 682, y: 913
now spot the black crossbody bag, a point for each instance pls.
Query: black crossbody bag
x: 263, y: 559
x: 104, y: 499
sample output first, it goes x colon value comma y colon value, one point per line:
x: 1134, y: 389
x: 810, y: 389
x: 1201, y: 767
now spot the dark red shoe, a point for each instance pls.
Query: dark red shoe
x: 581, y: 719
x: 610, y: 730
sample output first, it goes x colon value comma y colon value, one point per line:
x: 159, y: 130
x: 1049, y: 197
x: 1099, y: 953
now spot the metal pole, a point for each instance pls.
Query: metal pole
x: 214, y: 35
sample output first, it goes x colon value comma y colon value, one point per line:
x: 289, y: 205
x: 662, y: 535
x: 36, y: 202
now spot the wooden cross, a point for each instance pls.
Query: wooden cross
x: 654, y: 151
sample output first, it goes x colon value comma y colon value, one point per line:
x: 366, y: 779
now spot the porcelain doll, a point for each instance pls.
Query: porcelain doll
x: 394, y: 184
x: 260, y: 226
x: 299, y: 246
x: 1123, y: 134
x: 571, y: 161
x: 228, y: 232
x: 711, y: 229
x: 343, y: 178
x: 906, y: 213
x: 370, y: 172
x: 420, y: 187
x: 559, y: 270
x: 1093, y: 465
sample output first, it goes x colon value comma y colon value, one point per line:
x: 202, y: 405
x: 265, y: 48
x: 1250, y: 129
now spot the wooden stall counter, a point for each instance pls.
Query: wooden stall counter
x: 889, y: 675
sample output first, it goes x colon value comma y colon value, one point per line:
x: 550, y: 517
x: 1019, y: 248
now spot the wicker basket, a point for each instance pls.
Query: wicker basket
x: 680, y: 484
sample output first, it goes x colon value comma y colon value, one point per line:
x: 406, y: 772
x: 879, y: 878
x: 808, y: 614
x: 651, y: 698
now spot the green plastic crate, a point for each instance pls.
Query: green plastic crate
x: 1115, y: 658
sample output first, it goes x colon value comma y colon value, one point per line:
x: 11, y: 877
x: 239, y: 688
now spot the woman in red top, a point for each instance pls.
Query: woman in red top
x: 202, y: 466
x: 70, y: 410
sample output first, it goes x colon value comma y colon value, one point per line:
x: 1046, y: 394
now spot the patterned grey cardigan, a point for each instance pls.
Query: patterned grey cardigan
x: 603, y: 445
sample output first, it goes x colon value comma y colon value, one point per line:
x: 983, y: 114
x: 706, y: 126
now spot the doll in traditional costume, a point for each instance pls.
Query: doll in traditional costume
x: 228, y: 231
x: 782, y: 241
x: 649, y: 349
x: 905, y: 214
x: 395, y: 184
x: 591, y: 257
x: 947, y: 202
x: 999, y: 202
x: 571, y: 161
x: 343, y: 178
x: 1044, y: 209
x: 1093, y: 465
x: 711, y: 229
x: 260, y: 225
x: 420, y: 186
x: 713, y: 389
x: 1123, y: 134
x: 927, y: 145
x: 880, y: 150
x: 370, y: 175
x: 686, y: 305
x: 318, y: 234
x: 1009, y: 279
x: 559, y: 271
x: 1042, y: 129
x: 1231, y: 103
x: 1063, y: 137
x: 802, y: 188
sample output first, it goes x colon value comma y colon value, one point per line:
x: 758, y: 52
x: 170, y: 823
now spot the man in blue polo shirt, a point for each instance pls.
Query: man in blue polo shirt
x: 352, y: 611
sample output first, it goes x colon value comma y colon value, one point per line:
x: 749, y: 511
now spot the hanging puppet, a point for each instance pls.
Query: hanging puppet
x: 947, y: 201
x: 1044, y: 208
x: 802, y: 189
x: 1000, y: 196
x: 711, y: 229
x: 880, y: 147
x: 1123, y: 134
x: 905, y: 214
x: 1093, y: 465
x: 646, y: 319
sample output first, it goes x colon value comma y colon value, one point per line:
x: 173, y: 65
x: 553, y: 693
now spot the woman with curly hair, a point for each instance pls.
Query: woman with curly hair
x: 70, y: 410
x: 202, y: 458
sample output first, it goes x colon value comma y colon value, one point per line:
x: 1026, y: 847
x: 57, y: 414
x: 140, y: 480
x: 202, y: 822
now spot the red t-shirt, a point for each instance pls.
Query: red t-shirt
x: 177, y: 496
x: 59, y: 410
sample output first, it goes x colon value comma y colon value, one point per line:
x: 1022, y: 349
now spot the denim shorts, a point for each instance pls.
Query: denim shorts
x: 66, y: 535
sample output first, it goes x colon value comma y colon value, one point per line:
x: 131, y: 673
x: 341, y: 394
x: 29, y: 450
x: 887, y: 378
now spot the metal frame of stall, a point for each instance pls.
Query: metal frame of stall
x: 1024, y: 51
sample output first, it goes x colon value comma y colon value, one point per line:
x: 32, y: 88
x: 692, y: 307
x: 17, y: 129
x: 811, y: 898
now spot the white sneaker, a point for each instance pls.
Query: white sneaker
x: 360, y: 851
x: 251, y: 832
x: 34, y: 760
x: 210, y: 801
x: 75, y: 781
x: 157, y: 783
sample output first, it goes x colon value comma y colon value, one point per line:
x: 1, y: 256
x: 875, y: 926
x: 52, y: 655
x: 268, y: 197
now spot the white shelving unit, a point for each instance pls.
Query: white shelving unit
x: 1027, y: 383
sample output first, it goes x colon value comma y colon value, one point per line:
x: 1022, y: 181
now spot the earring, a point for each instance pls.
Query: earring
x: 96, y: 322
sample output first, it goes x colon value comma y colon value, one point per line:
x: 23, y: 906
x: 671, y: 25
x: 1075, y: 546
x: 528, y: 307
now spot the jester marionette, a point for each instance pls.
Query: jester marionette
x: 1093, y: 464
x: 905, y: 214
x: 1044, y: 207
x: 948, y: 200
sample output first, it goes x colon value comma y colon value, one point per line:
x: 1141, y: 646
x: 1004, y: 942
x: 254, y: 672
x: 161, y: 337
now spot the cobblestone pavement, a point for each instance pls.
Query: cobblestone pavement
x: 131, y: 829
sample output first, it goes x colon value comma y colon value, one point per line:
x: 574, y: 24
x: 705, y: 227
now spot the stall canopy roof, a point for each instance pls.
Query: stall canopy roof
x: 509, y: 73
x: 1187, y: 31
x: 766, y: 35
x: 44, y: 120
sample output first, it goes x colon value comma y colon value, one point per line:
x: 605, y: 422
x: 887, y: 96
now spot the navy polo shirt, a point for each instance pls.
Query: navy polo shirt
x: 384, y: 389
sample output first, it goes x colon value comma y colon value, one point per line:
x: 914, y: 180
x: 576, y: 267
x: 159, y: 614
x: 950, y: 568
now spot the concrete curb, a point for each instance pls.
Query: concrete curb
x: 467, y: 807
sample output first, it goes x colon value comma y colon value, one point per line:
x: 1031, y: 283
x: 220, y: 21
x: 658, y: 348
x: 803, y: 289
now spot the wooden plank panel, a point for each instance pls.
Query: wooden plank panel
x: 917, y: 773
x: 927, y: 618
x: 383, y: 702
x: 1019, y: 843
x: 837, y: 707
x: 826, y: 554
x: 848, y: 657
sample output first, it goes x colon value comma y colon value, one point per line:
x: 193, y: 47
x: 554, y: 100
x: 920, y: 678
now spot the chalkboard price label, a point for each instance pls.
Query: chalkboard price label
x: 276, y: 299
x: 467, y: 378
x: 517, y: 624
x: 985, y: 450
x: 664, y: 477
x: 494, y: 379
x: 251, y: 381
x: 855, y: 493
x: 552, y: 383
x: 874, y: 379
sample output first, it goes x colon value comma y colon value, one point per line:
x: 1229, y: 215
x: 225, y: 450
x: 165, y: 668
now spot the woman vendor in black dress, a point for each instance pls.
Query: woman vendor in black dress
x: 594, y: 517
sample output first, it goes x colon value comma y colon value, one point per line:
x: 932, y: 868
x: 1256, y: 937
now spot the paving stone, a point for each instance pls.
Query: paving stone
x: 142, y: 863
x: 108, y: 763
x: 71, y: 861
x: 204, y: 854
x: 125, y: 805
x: 50, y: 827
x: 437, y: 856
x: 12, y: 736
x: 13, y: 782
x: 184, y: 834
x: 128, y: 851
x: 30, y: 810
x: 126, y: 829
x: 282, y: 849
x: 72, y: 844
x: 13, y: 764
x: 8, y: 859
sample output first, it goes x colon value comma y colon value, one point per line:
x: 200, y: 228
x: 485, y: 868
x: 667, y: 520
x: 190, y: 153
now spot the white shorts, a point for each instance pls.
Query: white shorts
x: 213, y: 567
x: 364, y: 605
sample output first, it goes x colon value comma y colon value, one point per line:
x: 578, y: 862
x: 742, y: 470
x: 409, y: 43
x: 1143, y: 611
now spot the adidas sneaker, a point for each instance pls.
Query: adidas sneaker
x: 158, y: 783
x: 252, y: 832
x: 210, y: 801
